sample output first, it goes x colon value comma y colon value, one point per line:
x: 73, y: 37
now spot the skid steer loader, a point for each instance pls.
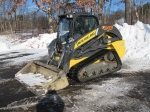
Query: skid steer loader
x: 83, y: 50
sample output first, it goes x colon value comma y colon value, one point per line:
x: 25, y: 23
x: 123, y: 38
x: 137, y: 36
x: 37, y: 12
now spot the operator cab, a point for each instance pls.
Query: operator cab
x: 72, y: 24
x: 64, y: 29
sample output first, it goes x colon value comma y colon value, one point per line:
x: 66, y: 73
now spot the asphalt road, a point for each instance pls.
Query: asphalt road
x: 116, y: 92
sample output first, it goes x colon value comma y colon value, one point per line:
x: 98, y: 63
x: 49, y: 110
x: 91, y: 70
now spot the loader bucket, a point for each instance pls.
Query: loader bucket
x: 40, y: 78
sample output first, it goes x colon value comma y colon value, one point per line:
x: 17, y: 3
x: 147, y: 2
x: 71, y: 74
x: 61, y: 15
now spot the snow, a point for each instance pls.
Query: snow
x: 3, y: 46
x: 111, y: 92
x: 37, y: 79
x: 114, y: 87
x: 4, y: 42
x: 38, y: 82
x: 134, y: 65
x: 35, y: 47
x: 40, y: 42
x: 137, y: 39
x: 16, y: 57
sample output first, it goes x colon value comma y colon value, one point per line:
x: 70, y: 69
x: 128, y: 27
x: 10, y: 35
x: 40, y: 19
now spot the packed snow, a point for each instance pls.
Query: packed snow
x: 37, y: 79
x: 137, y: 39
x: 38, y: 82
x: 40, y: 42
x: 105, y: 94
x: 35, y: 47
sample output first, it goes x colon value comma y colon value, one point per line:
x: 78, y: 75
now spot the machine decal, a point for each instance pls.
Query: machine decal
x: 107, y: 27
x: 85, y: 39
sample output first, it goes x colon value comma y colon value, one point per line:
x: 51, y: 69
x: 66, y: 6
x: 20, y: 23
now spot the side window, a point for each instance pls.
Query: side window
x: 92, y: 23
x: 85, y: 24
x: 79, y: 25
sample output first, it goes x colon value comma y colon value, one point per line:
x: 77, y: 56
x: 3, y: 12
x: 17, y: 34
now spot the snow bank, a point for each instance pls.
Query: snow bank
x: 137, y: 39
x: 4, y: 42
x: 40, y: 42
x: 4, y: 46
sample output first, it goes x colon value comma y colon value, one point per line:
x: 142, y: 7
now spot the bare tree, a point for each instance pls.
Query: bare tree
x: 128, y: 11
x: 47, y: 9
x: 135, y: 9
x: 104, y: 11
x: 3, y: 18
x: 142, y: 8
x: 85, y: 4
x: 100, y: 11
x: 45, y: 5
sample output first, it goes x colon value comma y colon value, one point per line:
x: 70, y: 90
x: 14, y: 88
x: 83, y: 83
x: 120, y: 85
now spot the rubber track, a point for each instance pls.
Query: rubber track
x: 77, y: 68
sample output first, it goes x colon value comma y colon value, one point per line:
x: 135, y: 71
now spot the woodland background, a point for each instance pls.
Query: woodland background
x: 40, y: 16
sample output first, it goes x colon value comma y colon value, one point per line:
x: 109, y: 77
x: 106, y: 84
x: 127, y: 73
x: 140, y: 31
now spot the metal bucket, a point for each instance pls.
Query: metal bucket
x: 40, y: 78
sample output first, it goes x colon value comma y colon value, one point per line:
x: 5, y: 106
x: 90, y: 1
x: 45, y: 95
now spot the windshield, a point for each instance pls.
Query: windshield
x: 64, y: 28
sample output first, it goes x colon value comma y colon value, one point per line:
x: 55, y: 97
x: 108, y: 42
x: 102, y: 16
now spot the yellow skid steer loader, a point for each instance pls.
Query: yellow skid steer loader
x: 83, y: 50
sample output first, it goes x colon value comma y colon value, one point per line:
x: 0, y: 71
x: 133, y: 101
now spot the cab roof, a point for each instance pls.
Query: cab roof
x: 72, y: 15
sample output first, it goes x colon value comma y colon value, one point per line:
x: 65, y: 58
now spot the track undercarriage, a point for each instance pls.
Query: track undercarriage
x: 87, y: 69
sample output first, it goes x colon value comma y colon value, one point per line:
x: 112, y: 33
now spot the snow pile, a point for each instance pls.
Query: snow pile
x: 40, y: 42
x: 38, y: 82
x: 137, y: 39
x: 37, y: 79
x: 5, y: 41
x: 21, y: 56
x: 3, y: 46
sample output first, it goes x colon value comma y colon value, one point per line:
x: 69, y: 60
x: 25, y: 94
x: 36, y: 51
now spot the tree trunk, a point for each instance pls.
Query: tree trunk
x: 136, y: 13
x: 110, y: 8
x: 91, y: 11
x: 142, y: 9
x: 50, y: 23
x: 148, y: 16
x: 12, y: 34
x: 100, y: 11
x: 105, y: 12
x: 69, y: 9
x: 94, y: 8
x: 128, y: 11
